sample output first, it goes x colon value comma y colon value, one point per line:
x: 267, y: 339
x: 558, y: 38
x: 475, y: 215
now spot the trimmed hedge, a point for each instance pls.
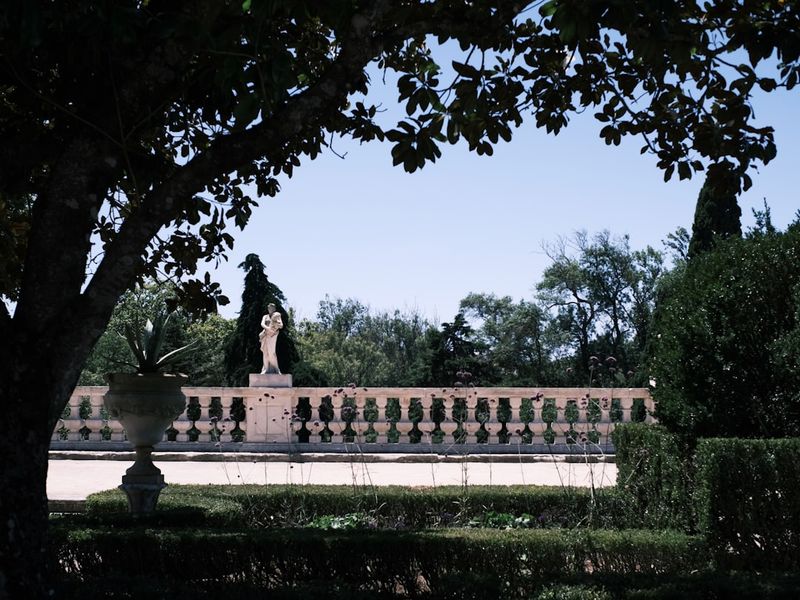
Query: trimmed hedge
x: 748, y: 501
x: 458, y: 562
x: 698, y: 586
x: 654, y: 477
x: 384, y: 507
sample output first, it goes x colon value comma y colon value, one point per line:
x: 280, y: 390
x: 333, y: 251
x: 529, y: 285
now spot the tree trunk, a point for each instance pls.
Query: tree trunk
x: 24, y: 444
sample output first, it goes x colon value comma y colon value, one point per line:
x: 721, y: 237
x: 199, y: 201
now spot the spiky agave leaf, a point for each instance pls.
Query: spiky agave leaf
x: 156, y: 338
x: 135, y: 344
x: 178, y: 353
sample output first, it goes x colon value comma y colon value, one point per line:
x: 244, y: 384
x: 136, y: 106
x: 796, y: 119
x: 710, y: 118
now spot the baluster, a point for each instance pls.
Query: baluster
x: 561, y: 407
x: 650, y: 407
x: 448, y: 424
x: 225, y: 422
x: 96, y: 419
x: 404, y: 425
x: 471, y: 423
x: 337, y: 423
x: 605, y: 429
x: 183, y: 426
x: 73, y: 423
x: 381, y: 424
x: 426, y: 424
x: 605, y: 410
x: 626, y: 404
x: 514, y: 423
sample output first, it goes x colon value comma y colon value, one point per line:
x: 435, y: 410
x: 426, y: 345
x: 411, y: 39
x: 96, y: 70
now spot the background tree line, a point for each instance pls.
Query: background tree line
x: 595, y: 299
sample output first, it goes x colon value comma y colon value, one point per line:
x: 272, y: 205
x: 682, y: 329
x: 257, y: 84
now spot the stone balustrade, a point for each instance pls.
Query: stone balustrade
x: 440, y: 420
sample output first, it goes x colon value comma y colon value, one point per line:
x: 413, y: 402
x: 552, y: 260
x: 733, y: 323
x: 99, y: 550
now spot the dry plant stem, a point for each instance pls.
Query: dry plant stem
x: 433, y: 469
x: 365, y: 474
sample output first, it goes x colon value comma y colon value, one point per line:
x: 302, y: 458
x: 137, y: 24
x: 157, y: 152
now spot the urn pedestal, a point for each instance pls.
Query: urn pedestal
x: 145, y: 405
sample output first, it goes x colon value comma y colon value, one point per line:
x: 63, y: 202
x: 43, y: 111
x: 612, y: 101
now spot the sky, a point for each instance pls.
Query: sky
x: 358, y: 227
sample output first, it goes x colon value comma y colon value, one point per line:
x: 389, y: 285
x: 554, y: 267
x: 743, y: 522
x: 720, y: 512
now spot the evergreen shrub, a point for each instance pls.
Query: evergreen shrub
x: 725, y: 340
x: 748, y: 502
x: 654, y: 477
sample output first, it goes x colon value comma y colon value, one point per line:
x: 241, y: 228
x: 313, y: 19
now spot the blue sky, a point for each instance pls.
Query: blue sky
x: 361, y: 228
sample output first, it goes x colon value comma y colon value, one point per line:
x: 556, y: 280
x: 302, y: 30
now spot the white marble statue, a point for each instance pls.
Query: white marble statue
x: 271, y: 324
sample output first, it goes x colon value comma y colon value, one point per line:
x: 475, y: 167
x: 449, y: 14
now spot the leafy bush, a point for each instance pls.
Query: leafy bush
x: 725, y: 347
x: 384, y: 507
x: 748, y: 501
x: 654, y: 476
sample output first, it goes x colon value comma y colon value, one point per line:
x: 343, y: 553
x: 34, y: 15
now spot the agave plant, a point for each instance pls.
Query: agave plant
x: 146, y: 345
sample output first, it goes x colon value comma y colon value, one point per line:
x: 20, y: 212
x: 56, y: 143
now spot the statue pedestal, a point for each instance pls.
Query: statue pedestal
x: 142, y: 482
x: 271, y: 416
x: 270, y: 380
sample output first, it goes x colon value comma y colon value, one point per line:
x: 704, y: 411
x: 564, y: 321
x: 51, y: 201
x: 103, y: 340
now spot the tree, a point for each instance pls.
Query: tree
x: 513, y: 335
x: 453, y: 348
x: 130, y: 128
x: 210, y: 337
x: 603, y: 294
x: 349, y: 344
x: 565, y: 289
x: 243, y: 351
x: 717, y: 216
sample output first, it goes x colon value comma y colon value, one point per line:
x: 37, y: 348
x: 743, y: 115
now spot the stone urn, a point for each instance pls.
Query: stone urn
x: 145, y: 404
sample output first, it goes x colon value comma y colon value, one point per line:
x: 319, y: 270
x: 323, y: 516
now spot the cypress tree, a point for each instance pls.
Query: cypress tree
x: 243, y: 352
x: 717, y: 215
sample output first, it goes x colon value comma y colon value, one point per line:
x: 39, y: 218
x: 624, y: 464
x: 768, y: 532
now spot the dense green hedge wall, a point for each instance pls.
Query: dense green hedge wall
x: 654, y: 477
x: 696, y: 586
x: 499, y: 563
x: 381, y: 507
x: 748, y: 501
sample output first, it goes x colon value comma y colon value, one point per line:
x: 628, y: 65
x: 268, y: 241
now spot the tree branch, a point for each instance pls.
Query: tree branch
x: 61, y: 225
x: 300, y: 115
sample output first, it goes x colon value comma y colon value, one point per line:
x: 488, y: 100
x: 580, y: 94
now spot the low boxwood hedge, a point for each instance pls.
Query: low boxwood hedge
x: 386, y: 507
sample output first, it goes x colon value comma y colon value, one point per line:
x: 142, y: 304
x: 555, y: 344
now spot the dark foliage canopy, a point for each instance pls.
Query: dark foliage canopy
x: 717, y: 216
